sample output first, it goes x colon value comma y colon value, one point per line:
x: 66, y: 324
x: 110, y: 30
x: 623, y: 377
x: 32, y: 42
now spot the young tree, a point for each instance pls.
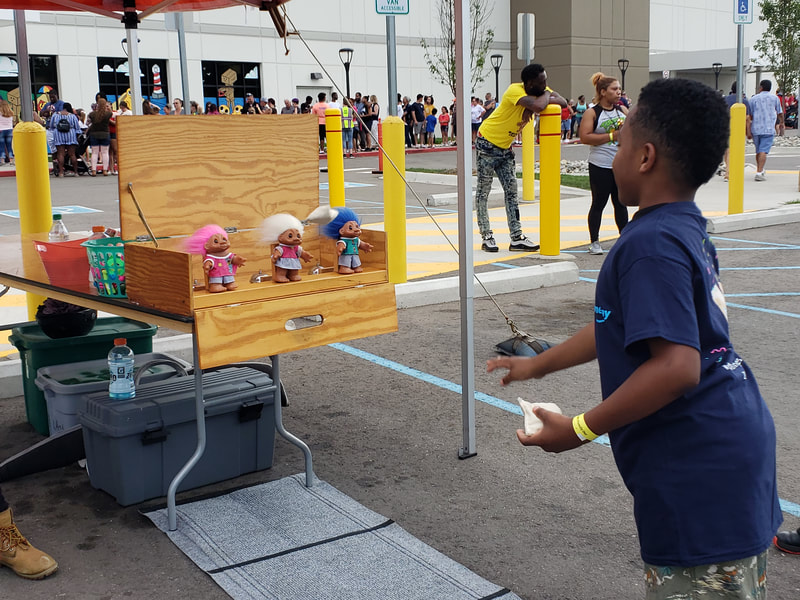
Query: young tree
x: 440, y: 54
x: 780, y: 43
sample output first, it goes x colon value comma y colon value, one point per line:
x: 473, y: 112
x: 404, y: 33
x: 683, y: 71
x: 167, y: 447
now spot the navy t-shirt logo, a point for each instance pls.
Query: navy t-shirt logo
x: 601, y: 314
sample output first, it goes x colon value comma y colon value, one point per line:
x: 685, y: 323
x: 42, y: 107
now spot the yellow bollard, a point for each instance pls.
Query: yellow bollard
x: 33, y: 188
x: 550, y: 181
x: 736, y: 160
x: 394, y: 197
x: 333, y: 135
x: 528, y: 162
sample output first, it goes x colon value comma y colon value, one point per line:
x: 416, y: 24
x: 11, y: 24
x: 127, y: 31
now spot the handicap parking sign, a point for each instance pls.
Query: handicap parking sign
x: 743, y: 11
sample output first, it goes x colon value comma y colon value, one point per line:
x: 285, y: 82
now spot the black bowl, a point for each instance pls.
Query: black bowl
x: 67, y: 324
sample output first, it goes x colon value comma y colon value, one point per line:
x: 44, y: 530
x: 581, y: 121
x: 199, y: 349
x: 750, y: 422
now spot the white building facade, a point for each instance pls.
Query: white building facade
x: 234, y: 51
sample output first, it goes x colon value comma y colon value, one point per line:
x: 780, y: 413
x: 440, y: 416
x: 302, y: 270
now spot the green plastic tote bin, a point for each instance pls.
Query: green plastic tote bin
x: 36, y: 350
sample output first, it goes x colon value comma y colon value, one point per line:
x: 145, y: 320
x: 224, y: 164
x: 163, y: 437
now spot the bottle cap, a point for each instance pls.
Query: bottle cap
x: 98, y: 228
x: 56, y: 217
x: 120, y: 341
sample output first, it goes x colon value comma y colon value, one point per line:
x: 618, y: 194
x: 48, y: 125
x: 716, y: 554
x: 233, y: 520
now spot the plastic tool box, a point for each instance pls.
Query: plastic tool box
x: 36, y: 350
x: 134, y: 448
x: 64, y: 385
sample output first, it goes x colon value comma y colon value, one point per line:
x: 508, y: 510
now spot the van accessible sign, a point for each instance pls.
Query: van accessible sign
x: 391, y: 7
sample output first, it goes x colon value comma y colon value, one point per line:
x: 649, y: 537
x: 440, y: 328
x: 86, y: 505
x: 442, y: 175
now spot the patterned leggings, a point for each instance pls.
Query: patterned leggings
x: 491, y: 160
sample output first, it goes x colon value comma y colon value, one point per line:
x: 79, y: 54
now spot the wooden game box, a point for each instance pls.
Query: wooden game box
x: 185, y: 172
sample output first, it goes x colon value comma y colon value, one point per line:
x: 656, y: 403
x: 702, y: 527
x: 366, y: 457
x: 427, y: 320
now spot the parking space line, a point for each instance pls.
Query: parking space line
x: 760, y: 248
x: 603, y: 440
x: 759, y: 294
x: 724, y: 239
x: 780, y: 313
x: 756, y: 268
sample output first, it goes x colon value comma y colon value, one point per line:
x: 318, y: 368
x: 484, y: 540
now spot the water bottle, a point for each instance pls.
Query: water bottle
x: 58, y: 232
x: 120, y: 367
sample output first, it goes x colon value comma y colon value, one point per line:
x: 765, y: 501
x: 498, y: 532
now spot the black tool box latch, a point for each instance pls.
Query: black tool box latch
x: 250, y: 411
x: 154, y: 436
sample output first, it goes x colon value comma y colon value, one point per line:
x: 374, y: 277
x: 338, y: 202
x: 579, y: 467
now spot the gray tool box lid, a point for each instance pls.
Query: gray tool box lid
x: 169, y: 402
x: 92, y: 376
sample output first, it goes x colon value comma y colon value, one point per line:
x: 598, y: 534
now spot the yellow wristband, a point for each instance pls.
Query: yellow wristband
x: 581, y: 429
x: 610, y: 136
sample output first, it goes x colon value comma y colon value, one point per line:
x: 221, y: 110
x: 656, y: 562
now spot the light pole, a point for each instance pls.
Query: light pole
x: 623, y: 63
x: 497, y: 60
x: 346, y: 56
x: 717, y: 68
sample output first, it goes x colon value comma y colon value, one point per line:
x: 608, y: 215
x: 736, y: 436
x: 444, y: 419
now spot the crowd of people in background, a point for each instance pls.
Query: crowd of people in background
x: 85, y: 143
x: 82, y: 142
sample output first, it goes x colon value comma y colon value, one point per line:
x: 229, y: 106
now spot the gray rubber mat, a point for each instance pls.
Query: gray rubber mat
x: 282, y: 540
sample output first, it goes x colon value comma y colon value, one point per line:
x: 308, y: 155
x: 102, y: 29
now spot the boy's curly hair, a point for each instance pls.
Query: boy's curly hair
x: 689, y: 124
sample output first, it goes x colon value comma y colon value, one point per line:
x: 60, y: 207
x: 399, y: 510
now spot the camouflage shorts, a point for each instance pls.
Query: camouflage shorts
x: 742, y: 579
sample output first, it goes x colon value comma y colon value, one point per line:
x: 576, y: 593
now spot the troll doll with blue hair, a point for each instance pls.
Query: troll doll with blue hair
x: 346, y: 229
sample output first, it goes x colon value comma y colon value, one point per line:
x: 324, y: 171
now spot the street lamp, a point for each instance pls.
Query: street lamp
x: 346, y: 56
x: 623, y: 63
x: 717, y: 68
x: 497, y: 60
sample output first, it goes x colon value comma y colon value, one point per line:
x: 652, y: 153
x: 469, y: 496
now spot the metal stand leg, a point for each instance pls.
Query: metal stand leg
x: 276, y: 378
x: 200, y: 417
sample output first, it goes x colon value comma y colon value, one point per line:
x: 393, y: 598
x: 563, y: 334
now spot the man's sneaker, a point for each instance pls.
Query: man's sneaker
x: 523, y: 244
x: 595, y: 248
x: 760, y: 177
x: 788, y: 541
x: 489, y: 245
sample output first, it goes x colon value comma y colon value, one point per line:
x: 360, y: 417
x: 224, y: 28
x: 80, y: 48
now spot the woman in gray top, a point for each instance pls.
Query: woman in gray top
x: 599, y: 129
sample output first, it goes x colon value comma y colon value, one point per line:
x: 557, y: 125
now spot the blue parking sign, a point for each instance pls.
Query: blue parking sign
x: 743, y: 11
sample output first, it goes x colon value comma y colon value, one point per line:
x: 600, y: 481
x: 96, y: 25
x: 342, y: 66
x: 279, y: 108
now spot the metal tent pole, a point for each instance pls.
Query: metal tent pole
x: 23, y: 66
x: 131, y: 20
x: 465, y: 266
x: 179, y: 21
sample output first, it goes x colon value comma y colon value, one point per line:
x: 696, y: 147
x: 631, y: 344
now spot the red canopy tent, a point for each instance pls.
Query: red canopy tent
x: 130, y: 12
x: 143, y: 8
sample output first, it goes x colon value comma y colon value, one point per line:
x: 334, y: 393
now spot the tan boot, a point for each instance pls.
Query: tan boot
x: 19, y: 555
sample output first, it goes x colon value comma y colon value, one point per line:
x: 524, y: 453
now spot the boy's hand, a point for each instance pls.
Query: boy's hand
x: 557, y: 434
x: 519, y: 368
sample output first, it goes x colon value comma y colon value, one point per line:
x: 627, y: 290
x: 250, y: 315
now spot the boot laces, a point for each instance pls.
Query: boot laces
x: 10, y: 538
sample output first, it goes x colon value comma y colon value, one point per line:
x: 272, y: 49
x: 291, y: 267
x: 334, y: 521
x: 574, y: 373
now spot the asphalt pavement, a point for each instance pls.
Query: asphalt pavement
x: 383, y: 418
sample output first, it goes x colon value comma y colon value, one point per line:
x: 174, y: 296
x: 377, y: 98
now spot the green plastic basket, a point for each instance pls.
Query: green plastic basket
x: 107, y: 264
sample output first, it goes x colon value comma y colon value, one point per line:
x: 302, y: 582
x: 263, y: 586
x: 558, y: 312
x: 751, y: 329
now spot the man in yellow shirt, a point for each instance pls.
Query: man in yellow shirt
x: 494, y: 154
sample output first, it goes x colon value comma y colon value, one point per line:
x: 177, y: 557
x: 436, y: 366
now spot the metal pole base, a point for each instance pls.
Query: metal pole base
x: 465, y: 453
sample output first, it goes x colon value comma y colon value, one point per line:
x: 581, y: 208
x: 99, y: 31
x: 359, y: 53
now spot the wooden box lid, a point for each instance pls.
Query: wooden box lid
x: 188, y: 171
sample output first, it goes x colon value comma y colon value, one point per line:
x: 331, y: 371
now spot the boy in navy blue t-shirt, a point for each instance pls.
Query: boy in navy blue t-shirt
x: 691, y: 435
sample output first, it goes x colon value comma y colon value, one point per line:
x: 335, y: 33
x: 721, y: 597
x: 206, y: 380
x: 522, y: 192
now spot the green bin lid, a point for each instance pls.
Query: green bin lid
x: 30, y: 336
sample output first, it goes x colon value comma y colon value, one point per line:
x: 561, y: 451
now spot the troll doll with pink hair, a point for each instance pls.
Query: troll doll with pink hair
x: 219, y: 263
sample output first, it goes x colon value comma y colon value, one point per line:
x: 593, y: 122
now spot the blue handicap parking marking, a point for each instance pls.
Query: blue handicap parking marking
x: 72, y: 209
x: 348, y: 184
